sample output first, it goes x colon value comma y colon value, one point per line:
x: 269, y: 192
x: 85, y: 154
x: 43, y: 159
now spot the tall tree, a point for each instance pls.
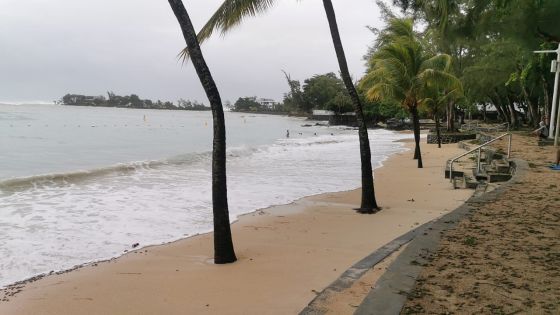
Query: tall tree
x: 223, y: 244
x: 468, y: 29
x: 232, y: 12
x: 402, y: 70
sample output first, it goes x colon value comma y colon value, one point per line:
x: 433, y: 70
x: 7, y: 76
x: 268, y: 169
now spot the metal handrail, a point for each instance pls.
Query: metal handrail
x: 479, y: 148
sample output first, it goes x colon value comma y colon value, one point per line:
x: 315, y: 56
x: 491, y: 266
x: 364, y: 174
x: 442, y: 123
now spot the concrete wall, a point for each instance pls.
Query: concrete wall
x: 451, y: 138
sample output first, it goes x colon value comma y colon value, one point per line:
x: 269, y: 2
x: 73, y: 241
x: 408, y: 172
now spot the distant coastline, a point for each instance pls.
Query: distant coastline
x: 130, y: 107
x: 265, y: 112
x: 129, y: 101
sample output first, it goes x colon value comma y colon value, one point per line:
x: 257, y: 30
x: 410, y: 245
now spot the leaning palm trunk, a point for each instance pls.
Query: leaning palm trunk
x: 416, y: 124
x: 368, y: 204
x: 223, y: 244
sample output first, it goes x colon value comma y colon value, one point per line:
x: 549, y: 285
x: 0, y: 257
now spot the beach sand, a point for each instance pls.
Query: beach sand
x: 505, y: 257
x: 287, y: 254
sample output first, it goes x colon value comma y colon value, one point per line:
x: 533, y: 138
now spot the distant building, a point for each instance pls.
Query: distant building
x: 267, y: 102
x: 94, y: 98
x: 348, y: 118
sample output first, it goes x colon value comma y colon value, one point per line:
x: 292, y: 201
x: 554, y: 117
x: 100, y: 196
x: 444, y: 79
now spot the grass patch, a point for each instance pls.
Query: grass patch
x: 470, y: 241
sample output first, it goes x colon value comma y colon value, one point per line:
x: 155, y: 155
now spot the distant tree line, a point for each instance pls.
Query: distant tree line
x: 327, y: 92
x: 253, y: 104
x: 129, y: 101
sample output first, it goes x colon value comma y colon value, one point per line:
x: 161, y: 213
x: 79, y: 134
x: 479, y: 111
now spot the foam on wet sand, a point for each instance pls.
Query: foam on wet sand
x: 286, y: 253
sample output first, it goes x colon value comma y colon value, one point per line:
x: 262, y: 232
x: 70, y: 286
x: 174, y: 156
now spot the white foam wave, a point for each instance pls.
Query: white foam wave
x: 56, y: 225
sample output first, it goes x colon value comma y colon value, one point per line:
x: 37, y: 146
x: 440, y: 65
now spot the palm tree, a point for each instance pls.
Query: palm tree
x: 401, y: 69
x: 223, y: 244
x: 232, y: 12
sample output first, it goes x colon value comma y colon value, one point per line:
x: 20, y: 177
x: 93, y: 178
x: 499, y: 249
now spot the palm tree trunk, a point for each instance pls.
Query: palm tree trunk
x: 223, y: 244
x: 438, y: 131
x: 416, y: 123
x: 416, y: 149
x: 369, y: 204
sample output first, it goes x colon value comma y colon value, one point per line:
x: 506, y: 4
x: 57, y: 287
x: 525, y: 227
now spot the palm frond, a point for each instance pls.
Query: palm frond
x: 440, y: 80
x: 442, y: 62
x: 229, y: 15
x: 396, y: 28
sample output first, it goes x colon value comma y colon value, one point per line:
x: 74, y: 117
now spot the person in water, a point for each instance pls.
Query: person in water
x: 288, y: 133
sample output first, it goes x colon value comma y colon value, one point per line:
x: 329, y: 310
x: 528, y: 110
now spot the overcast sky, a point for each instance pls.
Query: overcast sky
x: 52, y: 47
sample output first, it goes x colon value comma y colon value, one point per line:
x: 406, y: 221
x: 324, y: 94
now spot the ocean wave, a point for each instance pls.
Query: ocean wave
x: 122, y: 169
x: 62, y: 220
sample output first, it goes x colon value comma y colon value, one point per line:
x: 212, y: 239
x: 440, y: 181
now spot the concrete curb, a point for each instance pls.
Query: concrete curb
x: 360, y: 268
x: 391, y: 291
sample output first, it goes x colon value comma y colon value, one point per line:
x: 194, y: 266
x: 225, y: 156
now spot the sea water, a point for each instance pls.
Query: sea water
x: 80, y: 184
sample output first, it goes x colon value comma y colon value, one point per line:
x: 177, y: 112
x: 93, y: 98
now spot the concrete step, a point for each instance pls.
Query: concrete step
x: 470, y: 182
x: 455, y: 173
x: 500, y: 166
x: 482, y: 175
x: 498, y: 177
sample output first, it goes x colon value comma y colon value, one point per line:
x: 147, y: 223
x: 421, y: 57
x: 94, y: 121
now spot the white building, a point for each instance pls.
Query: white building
x: 267, y: 102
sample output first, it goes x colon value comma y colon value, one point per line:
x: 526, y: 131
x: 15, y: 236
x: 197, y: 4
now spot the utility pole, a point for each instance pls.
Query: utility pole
x: 555, y: 115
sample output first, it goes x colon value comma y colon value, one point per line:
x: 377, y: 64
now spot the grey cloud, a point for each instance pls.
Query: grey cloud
x: 51, y: 47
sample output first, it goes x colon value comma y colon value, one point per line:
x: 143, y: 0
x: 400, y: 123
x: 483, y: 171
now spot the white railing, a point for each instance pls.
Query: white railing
x: 479, y: 148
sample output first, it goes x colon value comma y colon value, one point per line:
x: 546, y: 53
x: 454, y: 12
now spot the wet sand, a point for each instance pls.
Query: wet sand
x: 286, y: 253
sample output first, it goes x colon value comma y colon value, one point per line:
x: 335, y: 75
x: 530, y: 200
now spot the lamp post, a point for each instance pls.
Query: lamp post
x: 554, y: 116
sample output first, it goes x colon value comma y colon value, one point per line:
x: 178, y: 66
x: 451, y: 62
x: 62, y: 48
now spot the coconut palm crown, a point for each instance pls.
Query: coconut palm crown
x: 403, y: 70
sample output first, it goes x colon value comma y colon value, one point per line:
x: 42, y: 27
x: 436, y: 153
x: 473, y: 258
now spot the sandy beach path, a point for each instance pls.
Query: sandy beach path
x: 286, y: 253
x: 505, y: 257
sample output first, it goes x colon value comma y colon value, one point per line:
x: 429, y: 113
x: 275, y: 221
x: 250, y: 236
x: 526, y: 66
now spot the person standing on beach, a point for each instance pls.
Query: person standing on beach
x: 288, y: 133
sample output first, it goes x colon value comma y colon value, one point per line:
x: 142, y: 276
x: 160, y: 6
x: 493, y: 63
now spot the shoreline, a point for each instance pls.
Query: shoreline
x: 17, y: 182
x: 299, y: 218
x: 294, y: 204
